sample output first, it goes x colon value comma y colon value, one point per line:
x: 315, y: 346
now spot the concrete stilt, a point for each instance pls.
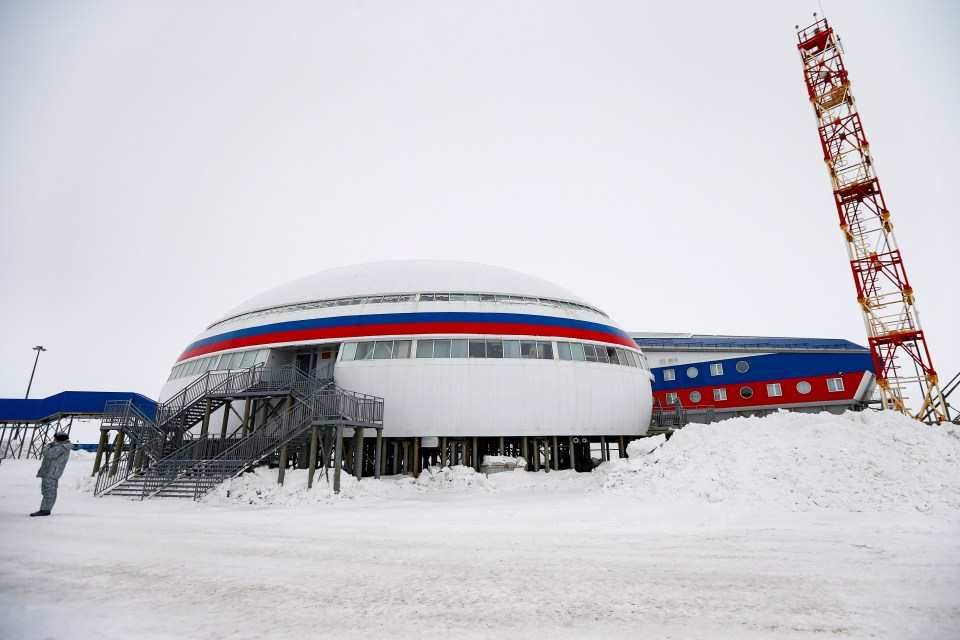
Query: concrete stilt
x: 378, y: 454
x: 117, y: 451
x: 246, y: 418
x: 443, y: 452
x: 226, y: 419
x: 622, y: 448
x: 475, y: 450
x: 266, y: 411
x: 604, y: 454
x: 406, y: 457
x: 395, y: 467
x: 500, y: 451
x: 101, y: 446
x: 573, y: 456
x: 358, y: 453
x: 556, y: 454
x: 337, y: 458
x: 314, y: 433
x: 205, y: 426
x: 523, y: 450
x: 416, y: 457
x: 283, y: 464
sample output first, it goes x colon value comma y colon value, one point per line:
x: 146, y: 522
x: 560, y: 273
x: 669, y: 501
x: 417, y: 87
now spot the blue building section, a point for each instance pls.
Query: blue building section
x: 746, y: 343
x: 69, y: 403
x: 762, y: 368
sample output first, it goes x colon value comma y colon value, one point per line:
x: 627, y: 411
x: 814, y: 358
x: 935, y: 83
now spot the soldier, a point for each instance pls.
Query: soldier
x: 55, y: 456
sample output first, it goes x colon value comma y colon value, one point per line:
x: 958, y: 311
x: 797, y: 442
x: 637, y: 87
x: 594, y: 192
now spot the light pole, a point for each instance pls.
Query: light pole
x: 38, y: 349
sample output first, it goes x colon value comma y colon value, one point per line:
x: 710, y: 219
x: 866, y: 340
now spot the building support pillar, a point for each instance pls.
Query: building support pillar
x: 314, y: 433
x: 573, y: 456
x: 337, y: 458
x: 246, y: 418
x: 283, y: 464
x: 416, y: 457
x: 406, y: 457
x: 443, y: 452
x: 226, y: 419
x: 603, y: 449
x: 378, y: 454
x: 556, y: 454
x: 358, y: 452
x: 205, y: 427
x: 475, y: 450
x: 117, y: 450
x: 101, y: 446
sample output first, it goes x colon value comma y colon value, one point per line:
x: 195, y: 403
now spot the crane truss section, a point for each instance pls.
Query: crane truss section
x: 900, y: 355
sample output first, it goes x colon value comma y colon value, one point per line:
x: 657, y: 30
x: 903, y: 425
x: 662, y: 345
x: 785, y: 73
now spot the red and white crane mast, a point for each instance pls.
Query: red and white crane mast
x: 899, y: 349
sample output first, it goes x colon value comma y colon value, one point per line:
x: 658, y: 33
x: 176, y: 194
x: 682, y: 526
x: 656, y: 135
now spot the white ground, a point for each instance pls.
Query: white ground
x: 785, y: 527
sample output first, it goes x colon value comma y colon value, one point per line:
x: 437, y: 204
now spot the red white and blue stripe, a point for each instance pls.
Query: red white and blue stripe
x: 408, y: 324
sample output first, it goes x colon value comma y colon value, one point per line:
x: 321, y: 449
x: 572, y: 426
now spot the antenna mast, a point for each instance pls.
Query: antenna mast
x: 900, y: 354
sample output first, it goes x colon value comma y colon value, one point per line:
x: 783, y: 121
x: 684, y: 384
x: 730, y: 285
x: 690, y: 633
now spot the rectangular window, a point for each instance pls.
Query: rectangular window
x: 393, y: 299
x: 401, y: 349
x: 456, y: 297
x: 590, y: 353
x: 441, y: 348
x: 248, y: 358
x: 426, y: 297
x: 486, y: 297
x: 545, y: 350
x: 383, y: 350
x: 234, y: 360
x: 478, y: 349
x: 668, y: 375
x: 626, y: 358
x: 424, y: 348
x: 458, y: 348
x: 494, y: 348
x: 364, y: 351
x: 528, y: 349
x: 719, y: 394
x: 613, y: 356
x: 563, y: 350
x: 441, y: 297
x: 262, y: 355
x: 511, y: 348
x: 716, y: 369
x: 834, y: 384
x: 671, y: 399
x: 349, y: 351
x: 576, y: 350
x: 601, y: 353
x: 472, y: 297
x: 773, y: 390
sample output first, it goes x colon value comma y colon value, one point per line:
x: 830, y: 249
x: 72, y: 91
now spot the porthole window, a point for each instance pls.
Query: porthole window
x: 803, y: 387
x: 692, y: 372
x: 695, y: 397
x: 743, y: 366
x: 746, y: 392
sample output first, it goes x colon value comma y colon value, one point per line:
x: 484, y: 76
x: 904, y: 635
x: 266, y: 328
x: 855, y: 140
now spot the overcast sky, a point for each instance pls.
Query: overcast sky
x: 161, y: 162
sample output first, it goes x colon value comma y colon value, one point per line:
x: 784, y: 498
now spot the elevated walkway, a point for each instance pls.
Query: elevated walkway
x: 27, y: 425
x: 167, y: 459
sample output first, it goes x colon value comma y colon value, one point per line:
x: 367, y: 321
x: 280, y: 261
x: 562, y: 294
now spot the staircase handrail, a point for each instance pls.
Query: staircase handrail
x: 127, y: 417
x: 208, y: 383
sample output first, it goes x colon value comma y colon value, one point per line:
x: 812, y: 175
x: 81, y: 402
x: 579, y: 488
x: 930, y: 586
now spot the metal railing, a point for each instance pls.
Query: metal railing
x: 204, y: 462
x: 125, y: 416
x: 664, y: 418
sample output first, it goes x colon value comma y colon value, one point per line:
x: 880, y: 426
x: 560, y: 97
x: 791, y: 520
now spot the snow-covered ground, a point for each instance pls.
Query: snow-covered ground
x: 784, y: 527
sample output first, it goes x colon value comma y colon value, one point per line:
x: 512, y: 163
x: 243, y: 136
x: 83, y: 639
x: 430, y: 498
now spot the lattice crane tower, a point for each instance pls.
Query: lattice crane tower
x: 900, y: 353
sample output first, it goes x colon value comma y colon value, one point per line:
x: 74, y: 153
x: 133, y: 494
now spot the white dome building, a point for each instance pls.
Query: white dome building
x: 456, y: 350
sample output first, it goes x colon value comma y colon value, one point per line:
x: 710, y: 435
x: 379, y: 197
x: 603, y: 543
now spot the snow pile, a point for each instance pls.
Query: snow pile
x: 870, y: 461
x: 866, y: 461
x: 260, y: 487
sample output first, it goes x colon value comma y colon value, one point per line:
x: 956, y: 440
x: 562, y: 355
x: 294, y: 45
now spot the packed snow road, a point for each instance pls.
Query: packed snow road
x: 520, y: 554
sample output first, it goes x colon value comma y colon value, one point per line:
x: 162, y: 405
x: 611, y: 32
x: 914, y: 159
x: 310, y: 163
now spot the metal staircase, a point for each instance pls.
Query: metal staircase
x: 195, y: 468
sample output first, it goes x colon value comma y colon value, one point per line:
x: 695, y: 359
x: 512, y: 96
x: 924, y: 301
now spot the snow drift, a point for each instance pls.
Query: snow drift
x: 868, y: 461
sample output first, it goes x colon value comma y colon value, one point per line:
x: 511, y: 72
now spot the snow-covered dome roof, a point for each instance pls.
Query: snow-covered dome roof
x: 405, y: 276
